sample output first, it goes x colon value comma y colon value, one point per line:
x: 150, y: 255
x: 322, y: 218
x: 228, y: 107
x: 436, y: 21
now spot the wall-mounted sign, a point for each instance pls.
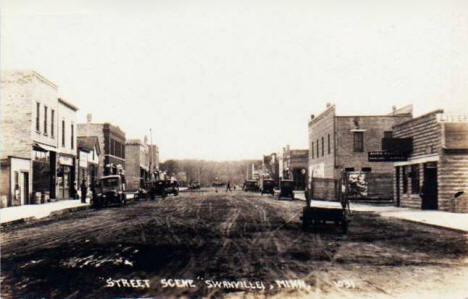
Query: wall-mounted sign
x: 383, y: 156
x: 63, y: 160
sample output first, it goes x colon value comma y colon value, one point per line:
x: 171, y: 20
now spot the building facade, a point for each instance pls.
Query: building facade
x: 341, y: 144
x: 88, y: 159
x: 437, y: 166
x: 30, y: 141
x: 137, y: 163
x: 111, y: 142
x: 66, y: 185
x: 294, y: 166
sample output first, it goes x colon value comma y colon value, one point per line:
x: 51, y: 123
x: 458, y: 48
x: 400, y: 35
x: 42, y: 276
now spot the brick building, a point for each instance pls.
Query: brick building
x: 341, y: 143
x: 294, y: 164
x: 137, y: 163
x: 111, y: 142
x: 437, y: 166
x: 31, y: 145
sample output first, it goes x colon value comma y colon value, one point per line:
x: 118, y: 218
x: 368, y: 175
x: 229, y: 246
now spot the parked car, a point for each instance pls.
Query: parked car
x: 268, y: 186
x: 111, y: 190
x: 172, y: 187
x: 251, y: 185
x: 194, y: 185
x: 286, y: 189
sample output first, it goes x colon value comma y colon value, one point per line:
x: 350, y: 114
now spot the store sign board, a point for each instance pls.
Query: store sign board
x: 384, y: 156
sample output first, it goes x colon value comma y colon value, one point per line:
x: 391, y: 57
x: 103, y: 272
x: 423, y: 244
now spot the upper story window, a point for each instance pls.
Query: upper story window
x: 318, y: 150
x: 329, y: 147
x: 323, y: 147
x: 358, y: 144
x: 38, y: 112
x: 45, y: 120
x: 52, y: 116
x: 312, y: 151
x: 72, y: 135
x: 63, y: 133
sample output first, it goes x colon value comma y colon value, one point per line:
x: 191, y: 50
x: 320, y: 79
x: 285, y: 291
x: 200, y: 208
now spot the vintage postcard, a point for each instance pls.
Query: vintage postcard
x: 233, y: 149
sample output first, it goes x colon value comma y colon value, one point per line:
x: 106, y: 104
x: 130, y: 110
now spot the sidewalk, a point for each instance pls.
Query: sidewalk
x: 26, y: 212
x: 454, y: 221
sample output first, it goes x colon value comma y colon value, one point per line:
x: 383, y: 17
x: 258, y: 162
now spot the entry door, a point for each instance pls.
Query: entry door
x: 26, y: 187
x: 397, y: 186
x: 429, y: 197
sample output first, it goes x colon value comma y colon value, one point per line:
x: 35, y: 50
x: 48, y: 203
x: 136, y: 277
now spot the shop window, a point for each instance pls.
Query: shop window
x: 388, y: 134
x: 358, y: 145
x: 405, y: 179
x: 415, y: 179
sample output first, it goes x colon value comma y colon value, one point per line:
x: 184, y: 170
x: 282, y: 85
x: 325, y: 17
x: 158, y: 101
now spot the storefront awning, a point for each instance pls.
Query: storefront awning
x: 43, y: 148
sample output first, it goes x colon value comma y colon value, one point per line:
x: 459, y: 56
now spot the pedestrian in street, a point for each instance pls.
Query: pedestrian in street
x: 93, y: 191
x: 84, y: 191
x: 228, y: 187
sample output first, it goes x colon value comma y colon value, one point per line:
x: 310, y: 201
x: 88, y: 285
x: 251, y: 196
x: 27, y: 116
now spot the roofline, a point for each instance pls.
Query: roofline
x: 68, y: 104
x: 376, y: 115
x: 421, y: 116
x: 31, y: 72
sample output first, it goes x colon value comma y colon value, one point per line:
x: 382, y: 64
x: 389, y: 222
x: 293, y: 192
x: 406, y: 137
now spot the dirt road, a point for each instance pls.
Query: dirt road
x: 226, y: 245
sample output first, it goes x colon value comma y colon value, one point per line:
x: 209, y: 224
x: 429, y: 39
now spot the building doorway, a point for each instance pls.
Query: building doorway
x: 397, y: 186
x: 26, y: 198
x: 430, y: 188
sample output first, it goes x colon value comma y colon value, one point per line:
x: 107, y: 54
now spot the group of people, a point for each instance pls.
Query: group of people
x: 84, y: 190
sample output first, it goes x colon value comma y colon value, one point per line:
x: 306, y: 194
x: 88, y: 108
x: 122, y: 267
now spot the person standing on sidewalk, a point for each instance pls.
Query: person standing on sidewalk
x: 228, y: 187
x: 84, y: 191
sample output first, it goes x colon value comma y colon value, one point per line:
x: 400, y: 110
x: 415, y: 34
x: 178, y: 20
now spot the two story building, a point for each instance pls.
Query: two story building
x: 33, y: 122
x: 111, y: 142
x: 340, y: 144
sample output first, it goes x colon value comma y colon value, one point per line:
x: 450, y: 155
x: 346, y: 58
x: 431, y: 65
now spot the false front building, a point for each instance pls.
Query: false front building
x: 437, y: 165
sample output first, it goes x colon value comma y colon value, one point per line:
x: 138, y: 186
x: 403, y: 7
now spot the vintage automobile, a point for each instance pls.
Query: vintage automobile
x: 286, y: 189
x: 172, y: 187
x: 268, y: 186
x: 194, y: 185
x: 251, y: 185
x: 110, y: 190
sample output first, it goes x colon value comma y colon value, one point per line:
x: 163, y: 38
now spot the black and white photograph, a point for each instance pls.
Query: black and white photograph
x: 233, y: 149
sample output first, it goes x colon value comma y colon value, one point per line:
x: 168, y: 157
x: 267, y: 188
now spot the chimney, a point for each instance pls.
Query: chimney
x: 393, y: 109
x: 89, y: 118
x: 328, y: 104
x: 312, y: 117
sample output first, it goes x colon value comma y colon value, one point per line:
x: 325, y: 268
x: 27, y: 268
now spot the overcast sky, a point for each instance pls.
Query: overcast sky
x: 232, y: 80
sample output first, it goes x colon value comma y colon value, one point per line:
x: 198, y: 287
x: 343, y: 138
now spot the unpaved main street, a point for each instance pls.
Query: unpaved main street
x: 212, y: 237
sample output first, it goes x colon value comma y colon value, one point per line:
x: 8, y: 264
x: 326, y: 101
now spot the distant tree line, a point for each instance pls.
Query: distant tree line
x: 207, y: 172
